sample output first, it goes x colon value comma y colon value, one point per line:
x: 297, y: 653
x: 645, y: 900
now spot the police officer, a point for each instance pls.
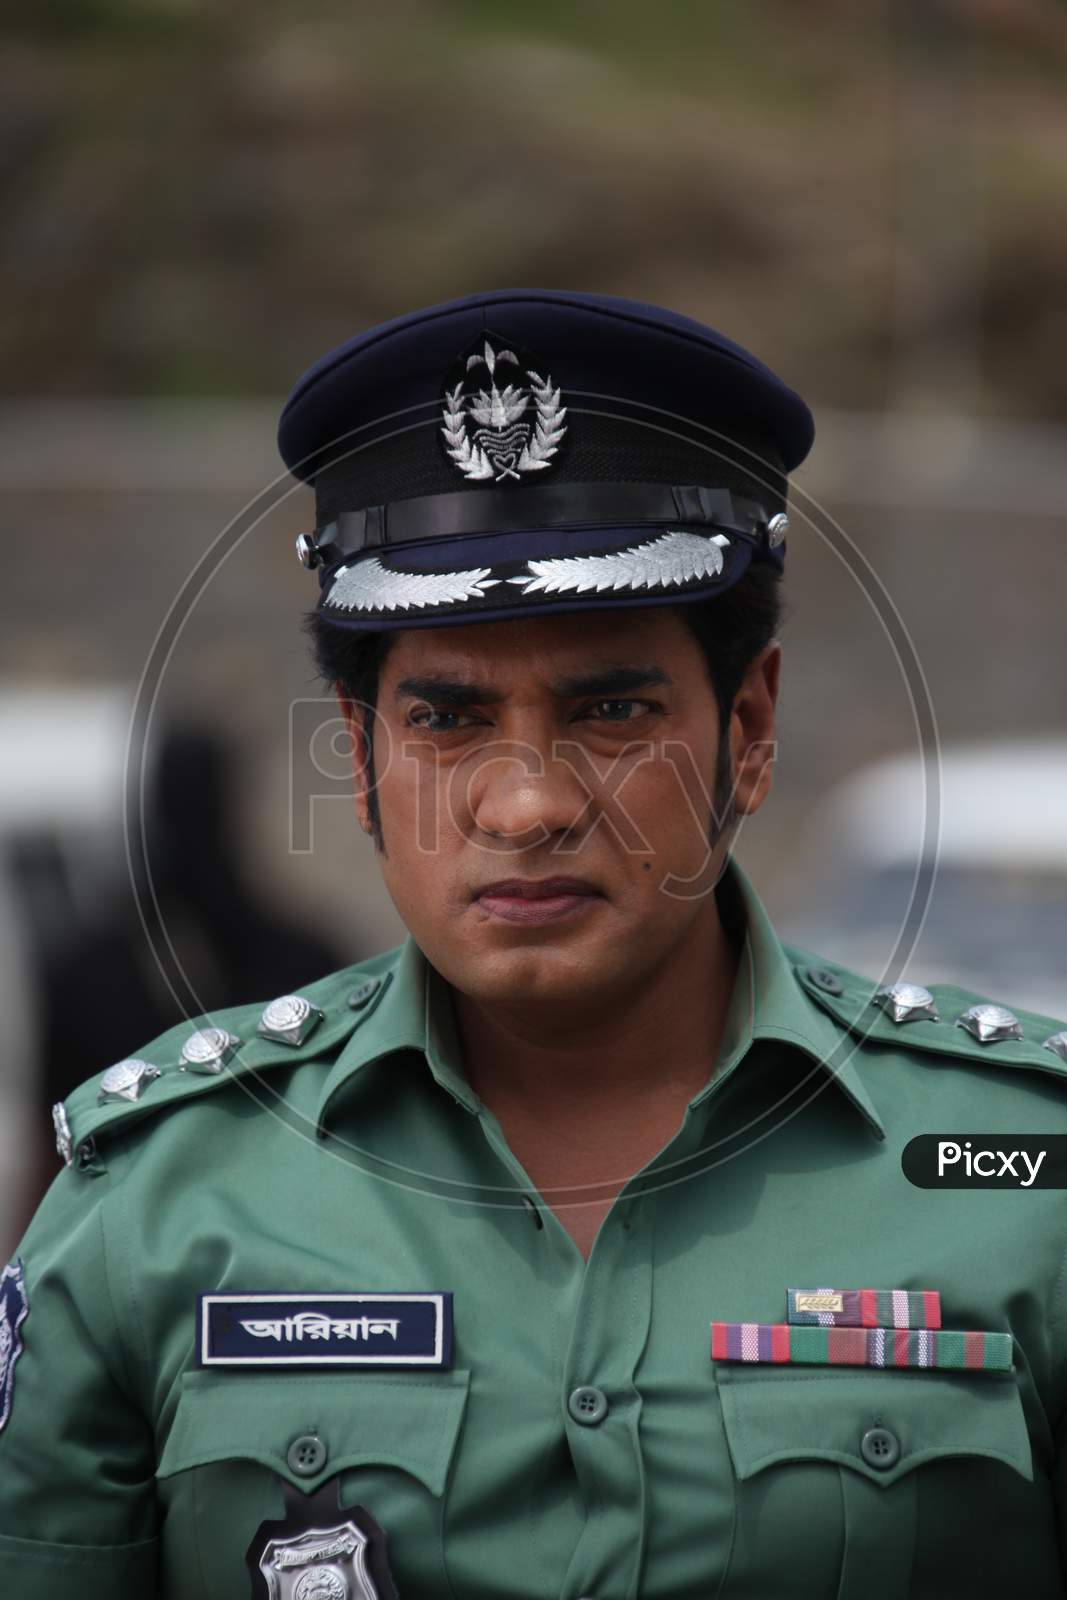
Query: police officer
x: 566, y: 1250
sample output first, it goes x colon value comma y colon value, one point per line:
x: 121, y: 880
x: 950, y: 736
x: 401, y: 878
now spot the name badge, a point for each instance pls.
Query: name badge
x: 325, y: 1330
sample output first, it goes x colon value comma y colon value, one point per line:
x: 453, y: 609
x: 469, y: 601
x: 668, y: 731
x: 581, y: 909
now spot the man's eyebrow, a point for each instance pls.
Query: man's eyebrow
x: 599, y: 681
x: 611, y: 681
x: 448, y: 691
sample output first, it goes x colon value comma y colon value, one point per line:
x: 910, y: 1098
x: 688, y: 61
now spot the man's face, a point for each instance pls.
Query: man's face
x: 546, y: 793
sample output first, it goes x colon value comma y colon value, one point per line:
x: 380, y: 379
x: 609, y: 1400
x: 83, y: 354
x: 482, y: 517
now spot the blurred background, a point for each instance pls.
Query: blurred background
x: 199, y: 200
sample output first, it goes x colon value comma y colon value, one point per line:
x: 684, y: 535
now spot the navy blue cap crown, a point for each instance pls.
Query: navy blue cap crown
x: 527, y: 450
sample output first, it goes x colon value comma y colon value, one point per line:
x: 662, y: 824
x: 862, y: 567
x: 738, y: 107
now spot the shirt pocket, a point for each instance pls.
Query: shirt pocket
x: 388, y: 1439
x: 863, y: 1483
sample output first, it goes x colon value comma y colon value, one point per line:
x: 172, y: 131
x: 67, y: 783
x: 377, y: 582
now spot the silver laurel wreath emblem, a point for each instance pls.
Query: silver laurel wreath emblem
x: 505, y: 443
x: 675, y: 557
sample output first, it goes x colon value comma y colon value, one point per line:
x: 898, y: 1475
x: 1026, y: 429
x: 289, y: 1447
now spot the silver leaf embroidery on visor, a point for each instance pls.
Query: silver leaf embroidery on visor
x: 675, y: 557
x: 368, y: 586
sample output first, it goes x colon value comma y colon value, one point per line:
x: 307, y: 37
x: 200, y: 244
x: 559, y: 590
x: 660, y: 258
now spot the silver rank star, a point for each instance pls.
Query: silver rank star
x: 64, y: 1142
x: 126, y: 1080
x: 289, y: 1019
x: 208, y: 1050
x: 907, y: 1002
x: 990, y: 1024
x: 1057, y: 1043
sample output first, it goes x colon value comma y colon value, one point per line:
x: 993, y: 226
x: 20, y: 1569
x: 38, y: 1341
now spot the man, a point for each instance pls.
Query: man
x: 566, y: 1250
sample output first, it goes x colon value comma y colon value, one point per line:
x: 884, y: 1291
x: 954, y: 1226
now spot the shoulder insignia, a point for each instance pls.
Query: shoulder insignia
x: 13, y: 1309
x: 207, y: 1053
x: 942, y: 1019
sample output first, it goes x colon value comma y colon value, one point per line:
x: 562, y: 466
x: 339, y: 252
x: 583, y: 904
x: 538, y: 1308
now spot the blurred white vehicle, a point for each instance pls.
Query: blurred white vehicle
x: 997, y: 916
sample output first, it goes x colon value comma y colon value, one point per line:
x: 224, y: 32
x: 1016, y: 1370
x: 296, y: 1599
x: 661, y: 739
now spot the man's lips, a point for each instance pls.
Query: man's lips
x: 537, y: 899
x: 535, y: 888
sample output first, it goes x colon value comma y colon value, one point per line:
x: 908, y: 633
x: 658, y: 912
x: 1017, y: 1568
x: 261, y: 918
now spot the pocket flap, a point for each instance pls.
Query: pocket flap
x: 792, y: 1415
x: 407, y: 1421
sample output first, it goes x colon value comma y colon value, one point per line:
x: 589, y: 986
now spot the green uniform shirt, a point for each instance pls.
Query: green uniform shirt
x: 361, y: 1161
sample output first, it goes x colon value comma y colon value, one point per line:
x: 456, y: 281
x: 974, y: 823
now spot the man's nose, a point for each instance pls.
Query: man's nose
x: 524, y: 793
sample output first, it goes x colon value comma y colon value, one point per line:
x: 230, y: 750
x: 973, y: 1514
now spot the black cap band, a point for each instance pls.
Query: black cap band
x: 557, y: 505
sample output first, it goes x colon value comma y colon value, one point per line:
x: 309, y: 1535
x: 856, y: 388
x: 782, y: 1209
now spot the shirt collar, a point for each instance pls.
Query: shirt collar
x: 769, y: 1002
x: 413, y: 1011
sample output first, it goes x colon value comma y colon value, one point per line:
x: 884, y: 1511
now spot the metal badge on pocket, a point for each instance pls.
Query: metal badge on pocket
x: 320, y: 1551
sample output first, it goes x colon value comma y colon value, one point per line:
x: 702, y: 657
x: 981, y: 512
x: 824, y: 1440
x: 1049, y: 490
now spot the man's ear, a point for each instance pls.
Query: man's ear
x: 360, y: 755
x: 753, y: 742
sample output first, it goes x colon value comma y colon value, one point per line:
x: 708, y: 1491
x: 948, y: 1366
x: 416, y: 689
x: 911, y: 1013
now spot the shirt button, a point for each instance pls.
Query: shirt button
x: 825, y: 980
x: 306, y: 1455
x: 363, y: 992
x: 588, y: 1405
x: 880, y: 1448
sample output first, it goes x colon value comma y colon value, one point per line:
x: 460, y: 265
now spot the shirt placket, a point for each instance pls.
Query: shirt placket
x: 599, y: 1399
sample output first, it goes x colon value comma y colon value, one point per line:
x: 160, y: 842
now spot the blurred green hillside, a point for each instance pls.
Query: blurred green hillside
x: 198, y: 198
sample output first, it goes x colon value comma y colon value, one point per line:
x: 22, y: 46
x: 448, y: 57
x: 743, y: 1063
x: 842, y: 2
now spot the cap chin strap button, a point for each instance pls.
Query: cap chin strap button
x: 307, y: 550
x: 777, y: 528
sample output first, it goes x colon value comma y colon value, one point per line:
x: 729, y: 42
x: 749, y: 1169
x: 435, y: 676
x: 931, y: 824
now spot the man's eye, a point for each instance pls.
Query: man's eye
x: 619, y: 710
x: 437, y: 721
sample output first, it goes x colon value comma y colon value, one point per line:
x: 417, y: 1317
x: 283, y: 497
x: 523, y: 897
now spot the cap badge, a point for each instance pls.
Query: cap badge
x: 505, y: 441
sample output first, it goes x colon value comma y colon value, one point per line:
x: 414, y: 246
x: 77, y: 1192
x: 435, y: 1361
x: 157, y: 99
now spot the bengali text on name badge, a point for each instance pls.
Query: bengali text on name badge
x: 409, y: 1329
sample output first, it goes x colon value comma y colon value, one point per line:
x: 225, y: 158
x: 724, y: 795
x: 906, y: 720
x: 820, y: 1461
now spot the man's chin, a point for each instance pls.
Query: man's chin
x: 547, y: 971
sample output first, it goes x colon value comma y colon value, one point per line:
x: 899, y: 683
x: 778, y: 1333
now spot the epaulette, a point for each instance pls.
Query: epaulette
x: 205, y: 1054
x: 941, y: 1019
